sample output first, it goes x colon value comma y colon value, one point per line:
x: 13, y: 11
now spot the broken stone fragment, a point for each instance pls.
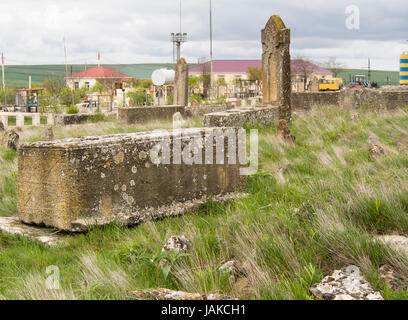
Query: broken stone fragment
x: 355, y: 117
x: 178, y: 243
x: 376, y: 150
x: 11, y: 139
x: 345, y: 284
x: 48, y: 134
x: 233, y: 268
x: 165, y: 294
x: 12, y: 226
x: 398, y: 243
x: 390, y: 277
x: 283, y: 132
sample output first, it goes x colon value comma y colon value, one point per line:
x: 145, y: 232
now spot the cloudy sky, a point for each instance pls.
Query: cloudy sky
x: 138, y: 31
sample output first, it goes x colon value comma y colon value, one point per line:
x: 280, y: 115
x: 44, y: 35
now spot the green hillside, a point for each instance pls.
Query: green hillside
x: 17, y: 76
x: 381, y: 77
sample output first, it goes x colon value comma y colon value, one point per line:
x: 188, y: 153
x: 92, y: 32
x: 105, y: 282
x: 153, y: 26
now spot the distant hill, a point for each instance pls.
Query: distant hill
x: 381, y: 77
x: 17, y: 76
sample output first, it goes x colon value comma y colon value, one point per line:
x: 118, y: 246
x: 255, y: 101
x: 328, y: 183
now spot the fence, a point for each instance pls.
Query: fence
x: 18, y: 119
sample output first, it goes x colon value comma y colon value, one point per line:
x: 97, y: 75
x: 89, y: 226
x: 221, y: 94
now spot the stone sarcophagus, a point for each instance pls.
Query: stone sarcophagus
x: 129, y: 178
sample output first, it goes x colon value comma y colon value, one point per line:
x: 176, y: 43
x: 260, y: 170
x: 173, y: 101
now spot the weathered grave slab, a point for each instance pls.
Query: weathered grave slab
x: 73, y: 183
x: 135, y: 115
x: 200, y: 111
x: 242, y: 116
x: 181, y: 83
x: 13, y: 226
x: 276, y: 73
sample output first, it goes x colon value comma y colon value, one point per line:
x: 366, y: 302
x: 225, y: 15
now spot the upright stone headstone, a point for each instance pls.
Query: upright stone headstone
x: 181, y: 83
x: 276, y: 66
x: 315, y: 85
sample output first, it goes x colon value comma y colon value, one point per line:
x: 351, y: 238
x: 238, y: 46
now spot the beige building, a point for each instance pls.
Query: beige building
x: 303, y: 72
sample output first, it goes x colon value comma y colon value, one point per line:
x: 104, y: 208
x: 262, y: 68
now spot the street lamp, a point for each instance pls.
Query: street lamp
x: 178, y: 39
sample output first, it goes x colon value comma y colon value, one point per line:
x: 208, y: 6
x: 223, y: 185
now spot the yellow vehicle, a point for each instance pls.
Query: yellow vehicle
x: 330, y: 84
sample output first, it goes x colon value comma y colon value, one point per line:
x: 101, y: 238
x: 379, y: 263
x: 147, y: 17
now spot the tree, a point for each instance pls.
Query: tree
x: 221, y: 82
x: 255, y: 74
x: 99, y: 87
x: 139, y: 84
x: 54, y: 86
x: 140, y: 97
x: 334, y: 66
x: 194, y: 82
x: 304, y: 68
x: 7, y: 96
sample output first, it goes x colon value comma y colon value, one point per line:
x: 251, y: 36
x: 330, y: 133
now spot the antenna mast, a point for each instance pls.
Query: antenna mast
x: 65, y: 54
x: 178, y: 39
x: 211, y: 47
x: 2, y: 71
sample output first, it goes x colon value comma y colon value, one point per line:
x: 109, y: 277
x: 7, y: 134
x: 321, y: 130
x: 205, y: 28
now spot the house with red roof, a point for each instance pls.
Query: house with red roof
x: 88, y: 78
x: 229, y: 70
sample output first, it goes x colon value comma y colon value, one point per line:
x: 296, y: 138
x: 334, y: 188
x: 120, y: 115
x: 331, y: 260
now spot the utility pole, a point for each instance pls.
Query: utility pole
x: 3, y: 78
x: 211, y: 48
x: 99, y: 59
x: 65, y: 55
x: 2, y: 71
x: 178, y: 39
x: 369, y: 70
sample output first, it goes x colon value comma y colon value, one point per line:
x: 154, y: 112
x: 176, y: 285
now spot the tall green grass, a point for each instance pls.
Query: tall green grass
x: 313, y: 207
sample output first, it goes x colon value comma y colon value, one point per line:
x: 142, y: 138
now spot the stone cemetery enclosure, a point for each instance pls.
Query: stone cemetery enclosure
x: 137, y: 115
x: 240, y: 117
x: 276, y: 83
x: 73, y: 183
x: 129, y: 116
x: 373, y: 99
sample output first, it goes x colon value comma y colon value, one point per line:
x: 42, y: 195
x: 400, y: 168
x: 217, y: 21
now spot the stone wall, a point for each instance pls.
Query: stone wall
x: 308, y: 100
x: 70, y: 119
x: 73, y: 183
x: 374, y: 99
x: 129, y: 116
x: 354, y: 98
x: 200, y: 111
x: 242, y: 116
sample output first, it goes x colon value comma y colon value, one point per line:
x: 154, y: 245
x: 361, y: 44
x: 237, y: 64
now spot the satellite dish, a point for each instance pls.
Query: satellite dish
x: 162, y: 77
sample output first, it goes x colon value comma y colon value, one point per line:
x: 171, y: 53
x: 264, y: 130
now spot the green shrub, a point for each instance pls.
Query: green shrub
x: 196, y: 98
x: 72, y: 109
x: 97, y: 117
x: 170, y: 99
x: 140, y: 98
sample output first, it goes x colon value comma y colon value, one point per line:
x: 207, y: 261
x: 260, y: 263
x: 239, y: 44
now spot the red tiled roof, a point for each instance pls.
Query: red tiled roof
x: 241, y: 66
x: 32, y: 89
x: 98, y: 73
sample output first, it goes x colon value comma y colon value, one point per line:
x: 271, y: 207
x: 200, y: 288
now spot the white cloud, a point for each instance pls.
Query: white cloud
x: 136, y: 31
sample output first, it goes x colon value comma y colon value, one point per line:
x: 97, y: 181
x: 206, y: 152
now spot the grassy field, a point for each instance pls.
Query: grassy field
x: 313, y: 208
